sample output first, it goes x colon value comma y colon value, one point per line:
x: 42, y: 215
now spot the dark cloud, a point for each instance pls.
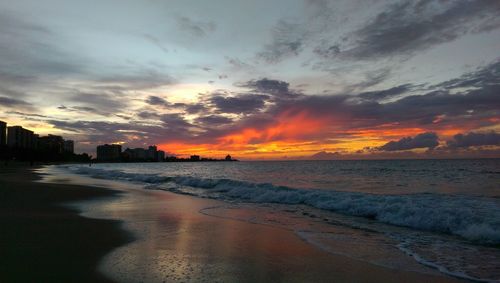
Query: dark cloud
x: 173, y: 127
x: 14, y: 103
x: 474, y: 139
x: 287, y: 40
x: 102, y: 101
x: 414, y: 110
x: 405, y: 27
x: 472, y: 97
x: 99, y: 127
x: 27, y: 116
x: 214, y: 120
x: 175, y: 122
x: 125, y: 117
x: 195, y: 108
x: 268, y: 86
x: 195, y: 28
x: 483, y: 76
x: 327, y: 51
x: 373, y: 78
x: 85, y: 109
x: 156, y: 100
x: 439, y: 107
x: 425, y: 108
x: 148, y: 115
x: 247, y: 103
x: 425, y: 140
x: 386, y: 93
x: 237, y: 64
x: 345, y: 116
x: 81, y: 109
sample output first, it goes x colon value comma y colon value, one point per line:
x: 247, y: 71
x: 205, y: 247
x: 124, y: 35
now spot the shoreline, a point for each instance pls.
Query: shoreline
x: 177, y: 240
x: 44, y: 241
x: 173, y: 241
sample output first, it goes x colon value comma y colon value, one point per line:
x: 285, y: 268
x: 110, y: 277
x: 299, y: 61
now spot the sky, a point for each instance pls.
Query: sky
x: 309, y: 79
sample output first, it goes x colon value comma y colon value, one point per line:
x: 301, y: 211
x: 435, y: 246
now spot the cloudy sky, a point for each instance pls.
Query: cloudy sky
x: 257, y: 79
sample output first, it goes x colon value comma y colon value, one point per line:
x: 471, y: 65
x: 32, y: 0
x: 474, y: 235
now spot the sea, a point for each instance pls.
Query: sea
x: 441, y: 214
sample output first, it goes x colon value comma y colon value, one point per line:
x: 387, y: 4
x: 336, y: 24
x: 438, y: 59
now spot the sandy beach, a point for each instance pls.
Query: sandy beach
x: 176, y: 238
x: 42, y: 241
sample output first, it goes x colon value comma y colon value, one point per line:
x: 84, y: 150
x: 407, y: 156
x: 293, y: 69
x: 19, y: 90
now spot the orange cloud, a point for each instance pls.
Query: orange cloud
x: 288, y: 126
x: 299, y: 133
x: 283, y: 137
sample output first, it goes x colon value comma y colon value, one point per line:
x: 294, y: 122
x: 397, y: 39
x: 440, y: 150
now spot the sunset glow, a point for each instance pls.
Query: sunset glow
x: 304, y: 84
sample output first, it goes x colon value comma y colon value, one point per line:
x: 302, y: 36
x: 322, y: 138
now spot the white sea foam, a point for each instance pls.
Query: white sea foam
x: 454, y: 264
x: 473, y: 218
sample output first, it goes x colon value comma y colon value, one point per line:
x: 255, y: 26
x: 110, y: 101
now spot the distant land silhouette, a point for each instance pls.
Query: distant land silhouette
x: 20, y: 144
x: 114, y: 153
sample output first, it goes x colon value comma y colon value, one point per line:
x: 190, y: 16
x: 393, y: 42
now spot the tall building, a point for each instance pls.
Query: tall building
x: 109, y: 152
x: 135, y: 154
x: 69, y: 146
x: 34, y: 142
x: 51, y: 143
x: 152, y: 153
x: 19, y: 137
x: 161, y: 156
x: 3, y: 133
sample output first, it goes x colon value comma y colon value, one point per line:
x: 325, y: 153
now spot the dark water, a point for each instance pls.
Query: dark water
x: 474, y: 177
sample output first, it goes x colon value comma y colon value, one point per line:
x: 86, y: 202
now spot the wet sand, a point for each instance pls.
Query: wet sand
x: 175, y: 240
x: 41, y: 241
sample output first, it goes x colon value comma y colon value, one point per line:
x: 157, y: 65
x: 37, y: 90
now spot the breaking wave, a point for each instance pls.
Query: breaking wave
x: 473, y: 218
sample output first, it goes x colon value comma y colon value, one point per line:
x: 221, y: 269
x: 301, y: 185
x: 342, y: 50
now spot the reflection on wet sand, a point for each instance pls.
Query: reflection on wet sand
x: 178, y: 243
x: 186, y: 239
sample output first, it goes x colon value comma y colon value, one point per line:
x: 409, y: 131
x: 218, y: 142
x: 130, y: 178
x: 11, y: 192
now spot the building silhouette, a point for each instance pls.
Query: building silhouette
x: 18, y: 143
x: 152, y: 153
x: 141, y: 154
x: 195, y: 158
x: 109, y: 152
x: 3, y: 133
x: 19, y: 137
x: 160, y: 156
x: 132, y: 154
x: 69, y: 146
x: 51, y: 143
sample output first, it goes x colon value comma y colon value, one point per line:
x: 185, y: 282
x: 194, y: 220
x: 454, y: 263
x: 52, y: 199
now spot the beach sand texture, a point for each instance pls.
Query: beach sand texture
x: 41, y: 241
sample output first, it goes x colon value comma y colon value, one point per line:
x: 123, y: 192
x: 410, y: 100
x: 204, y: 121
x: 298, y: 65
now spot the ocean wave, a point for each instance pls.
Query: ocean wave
x: 473, y: 218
